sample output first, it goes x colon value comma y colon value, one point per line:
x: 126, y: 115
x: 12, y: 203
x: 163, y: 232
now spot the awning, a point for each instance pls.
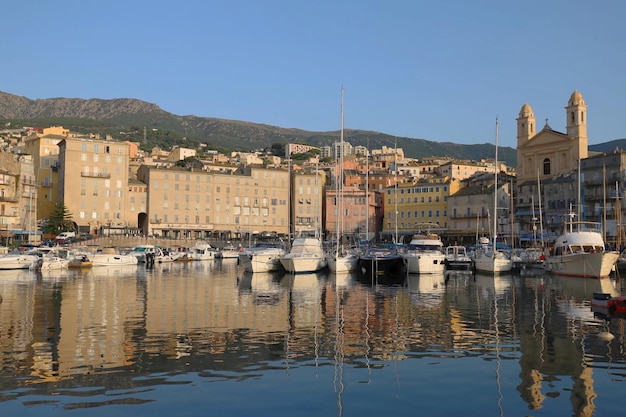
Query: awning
x: 26, y: 232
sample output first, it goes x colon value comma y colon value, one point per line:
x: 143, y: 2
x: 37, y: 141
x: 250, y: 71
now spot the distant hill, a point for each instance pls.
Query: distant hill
x: 131, y: 119
x: 608, y: 146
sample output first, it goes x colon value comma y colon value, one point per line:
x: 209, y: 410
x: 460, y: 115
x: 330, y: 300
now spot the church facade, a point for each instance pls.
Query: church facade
x: 549, y: 156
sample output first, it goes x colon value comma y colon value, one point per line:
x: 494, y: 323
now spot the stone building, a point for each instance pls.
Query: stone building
x: 548, y: 154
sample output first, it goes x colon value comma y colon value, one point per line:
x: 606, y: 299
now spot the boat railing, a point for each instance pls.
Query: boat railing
x: 582, y: 226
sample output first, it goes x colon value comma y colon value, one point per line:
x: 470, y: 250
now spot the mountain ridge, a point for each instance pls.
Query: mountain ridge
x: 127, y: 117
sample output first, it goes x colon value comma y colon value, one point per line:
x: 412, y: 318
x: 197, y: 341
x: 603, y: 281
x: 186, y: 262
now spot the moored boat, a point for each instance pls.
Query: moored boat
x: 19, y: 261
x: 457, y: 258
x: 109, y: 257
x: 80, y: 261
x: 262, y: 257
x: 424, y: 255
x: 580, y: 252
x: 611, y: 306
x: 229, y: 251
x: 202, y: 251
x: 383, y: 265
x: 306, y: 255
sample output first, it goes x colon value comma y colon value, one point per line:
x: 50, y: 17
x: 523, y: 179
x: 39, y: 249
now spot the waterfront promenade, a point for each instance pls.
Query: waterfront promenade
x: 120, y: 241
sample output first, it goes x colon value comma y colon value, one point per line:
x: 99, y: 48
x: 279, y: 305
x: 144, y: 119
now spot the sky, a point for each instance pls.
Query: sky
x: 440, y: 70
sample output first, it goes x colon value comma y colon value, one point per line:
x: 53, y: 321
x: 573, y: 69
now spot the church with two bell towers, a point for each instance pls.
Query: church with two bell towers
x: 549, y: 158
x: 549, y: 153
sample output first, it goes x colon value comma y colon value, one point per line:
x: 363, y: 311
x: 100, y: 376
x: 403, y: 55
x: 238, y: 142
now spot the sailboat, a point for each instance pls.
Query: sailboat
x: 491, y: 260
x: 341, y: 260
x: 384, y: 264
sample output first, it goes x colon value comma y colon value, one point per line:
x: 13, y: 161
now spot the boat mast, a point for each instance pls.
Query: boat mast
x: 604, y: 202
x: 367, y: 192
x: 618, y: 218
x: 495, y: 194
x: 540, y: 210
x: 579, y: 201
x: 341, y: 203
x: 395, y: 186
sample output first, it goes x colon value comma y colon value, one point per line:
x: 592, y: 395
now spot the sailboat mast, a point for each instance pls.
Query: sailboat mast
x: 341, y: 169
x: 579, y: 201
x: 367, y: 192
x: 540, y: 210
x: 495, y: 193
x: 395, y: 168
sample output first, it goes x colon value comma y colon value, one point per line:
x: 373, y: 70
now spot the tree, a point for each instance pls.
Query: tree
x: 60, y: 220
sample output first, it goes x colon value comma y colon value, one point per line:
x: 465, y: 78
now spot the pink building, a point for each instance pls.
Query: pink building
x: 358, y: 217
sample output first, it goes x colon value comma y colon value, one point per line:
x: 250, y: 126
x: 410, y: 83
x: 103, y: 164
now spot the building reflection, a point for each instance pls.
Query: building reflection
x: 213, y: 319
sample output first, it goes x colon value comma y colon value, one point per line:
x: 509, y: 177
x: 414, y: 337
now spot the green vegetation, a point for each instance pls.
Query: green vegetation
x: 60, y: 220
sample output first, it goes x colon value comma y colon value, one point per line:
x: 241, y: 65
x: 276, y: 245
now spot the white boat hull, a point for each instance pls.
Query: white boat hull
x: 300, y: 264
x: 346, y: 263
x: 202, y: 252
x: 261, y: 261
x: 585, y: 265
x: 11, y: 261
x: 54, y: 263
x: 306, y: 255
x: 424, y: 263
x: 493, y: 264
x: 102, y: 259
x: 228, y: 254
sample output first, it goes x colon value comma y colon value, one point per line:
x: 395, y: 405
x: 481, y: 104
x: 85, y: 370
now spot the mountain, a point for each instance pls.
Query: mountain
x: 147, y: 123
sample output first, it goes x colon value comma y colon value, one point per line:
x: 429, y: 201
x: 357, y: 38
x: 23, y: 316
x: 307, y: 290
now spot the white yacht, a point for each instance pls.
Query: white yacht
x: 19, y: 261
x: 109, y: 257
x: 580, y: 252
x: 262, y: 257
x: 306, y: 255
x: 202, y: 251
x: 424, y: 255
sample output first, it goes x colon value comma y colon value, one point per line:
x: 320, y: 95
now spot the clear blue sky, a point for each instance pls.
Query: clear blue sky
x: 437, y: 70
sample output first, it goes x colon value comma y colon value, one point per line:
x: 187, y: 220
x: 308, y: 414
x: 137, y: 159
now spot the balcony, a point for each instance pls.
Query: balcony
x: 95, y: 174
x: 8, y: 199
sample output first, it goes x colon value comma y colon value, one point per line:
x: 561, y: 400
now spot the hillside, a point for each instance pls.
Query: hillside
x: 126, y: 118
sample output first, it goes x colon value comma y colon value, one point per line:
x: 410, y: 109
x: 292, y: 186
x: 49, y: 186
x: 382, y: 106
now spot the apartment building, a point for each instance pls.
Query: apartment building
x: 93, y: 182
x: 307, y: 203
x: 465, y: 169
x: 471, y: 208
x: 362, y: 212
x: 42, y: 144
x: 18, y: 200
x: 200, y: 204
x: 409, y: 205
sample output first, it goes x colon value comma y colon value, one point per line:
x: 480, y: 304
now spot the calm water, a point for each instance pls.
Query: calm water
x: 196, y: 339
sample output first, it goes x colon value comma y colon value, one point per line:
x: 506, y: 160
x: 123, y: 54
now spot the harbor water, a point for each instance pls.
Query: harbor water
x: 205, y: 338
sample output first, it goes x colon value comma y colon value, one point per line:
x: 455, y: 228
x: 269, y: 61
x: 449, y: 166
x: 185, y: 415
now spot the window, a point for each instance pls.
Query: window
x: 546, y: 166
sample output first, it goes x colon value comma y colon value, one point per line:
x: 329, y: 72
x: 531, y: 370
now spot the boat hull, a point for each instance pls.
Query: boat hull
x: 493, y: 264
x: 424, y: 263
x: 8, y: 262
x: 101, y: 259
x: 347, y: 263
x: 382, y: 270
x: 302, y: 264
x: 585, y: 265
x: 306, y: 255
x: 262, y: 261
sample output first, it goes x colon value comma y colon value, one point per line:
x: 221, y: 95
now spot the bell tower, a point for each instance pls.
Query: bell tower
x: 526, y: 125
x: 577, y: 122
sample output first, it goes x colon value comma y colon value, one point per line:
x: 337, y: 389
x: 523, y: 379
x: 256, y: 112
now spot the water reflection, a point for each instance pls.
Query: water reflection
x: 121, y: 335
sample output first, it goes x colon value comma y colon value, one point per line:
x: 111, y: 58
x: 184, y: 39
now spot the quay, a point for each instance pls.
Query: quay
x: 129, y: 242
